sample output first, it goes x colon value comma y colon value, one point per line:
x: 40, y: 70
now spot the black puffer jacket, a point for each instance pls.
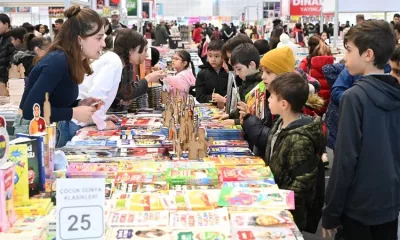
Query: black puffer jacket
x: 207, y: 80
x: 6, y: 51
x: 26, y: 58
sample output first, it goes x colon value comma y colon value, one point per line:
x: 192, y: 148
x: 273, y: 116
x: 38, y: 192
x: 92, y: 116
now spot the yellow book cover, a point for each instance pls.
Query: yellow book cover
x: 18, y: 154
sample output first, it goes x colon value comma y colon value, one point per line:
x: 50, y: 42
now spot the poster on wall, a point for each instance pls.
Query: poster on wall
x: 114, y: 3
x: 305, y: 8
x: 56, y: 12
x: 23, y: 9
x: 99, y: 4
x: 106, y: 11
x: 131, y: 6
x: 160, y: 9
x: 10, y: 9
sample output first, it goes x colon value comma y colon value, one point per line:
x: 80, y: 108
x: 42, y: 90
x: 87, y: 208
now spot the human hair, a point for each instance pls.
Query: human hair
x: 18, y: 33
x: 197, y: 25
x: 127, y: 39
x: 245, y: 54
x: 5, y: 19
x: 107, y: 26
x: 275, y: 37
x: 313, y: 43
x: 395, y: 57
x: 359, y: 17
x: 31, y: 41
x: 292, y: 88
x: 298, y: 25
x: 46, y: 29
x: 80, y: 23
x: 397, y: 27
x: 215, y: 45
x: 396, y: 15
x: 376, y: 35
x: 155, y: 56
x: 29, y: 28
x: 232, y: 43
x: 185, y: 56
x: 36, y: 105
x: 59, y: 21
x: 262, y: 46
x: 37, y: 27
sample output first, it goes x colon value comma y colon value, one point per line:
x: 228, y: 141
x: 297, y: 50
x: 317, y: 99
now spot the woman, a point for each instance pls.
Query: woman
x: 33, y: 47
x: 254, y: 35
x: 197, y: 33
x: 325, y: 37
x: 131, y: 47
x: 148, y: 31
x: 62, y: 69
x: 39, y: 30
x: 184, y: 79
x: 313, y: 42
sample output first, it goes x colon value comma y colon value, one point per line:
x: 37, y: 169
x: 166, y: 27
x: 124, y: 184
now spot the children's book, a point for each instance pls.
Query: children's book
x: 232, y: 174
x: 34, y: 164
x: 156, y: 187
x: 256, y: 198
x: 150, y: 202
x: 230, y: 143
x: 255, y: 100
x: 264, y: 219
x: 230, y: 151
x: 7, y: 212
x: 202, y: 233
x: 218, y: 218
x: 146, y: 143
x: 138, y: 219
x: 76, y: 169
x: 145, y: 122
x: 50, y: 141
x: 129, y: 177
x: 232, y: 161
x: 92, y: 143
x: 261, y: 233
x: 156, y: 233
x: 40, y: 154
x: 250, y: 184
x: 18, y: 154
x: 192, y: 200
x: 199, y: 176
x: 4, y: 141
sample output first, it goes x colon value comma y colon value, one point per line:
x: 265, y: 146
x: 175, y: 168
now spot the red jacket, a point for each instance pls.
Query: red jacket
x: 316, y: 72
x: 197, y: 35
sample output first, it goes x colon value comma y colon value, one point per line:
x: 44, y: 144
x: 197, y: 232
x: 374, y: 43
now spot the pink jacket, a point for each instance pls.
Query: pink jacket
x: 181, y: 81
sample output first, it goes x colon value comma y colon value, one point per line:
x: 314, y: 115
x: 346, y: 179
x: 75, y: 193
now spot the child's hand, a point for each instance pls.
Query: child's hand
x: 228, y: 122
x: 224, y: 116
x: 218, y: 98
x: 221, y: 105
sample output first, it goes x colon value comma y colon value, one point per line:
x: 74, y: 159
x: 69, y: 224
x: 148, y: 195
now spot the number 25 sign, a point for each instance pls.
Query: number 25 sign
x: 80, y: 209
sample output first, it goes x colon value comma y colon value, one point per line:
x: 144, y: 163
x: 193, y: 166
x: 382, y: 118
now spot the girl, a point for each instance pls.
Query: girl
x: 131, y: 47
x: 62, y: 69
x: 184, y: 79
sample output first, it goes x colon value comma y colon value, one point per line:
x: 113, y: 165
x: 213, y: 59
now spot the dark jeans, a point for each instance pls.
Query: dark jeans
x: 353, y: 230
x: 66, y: 130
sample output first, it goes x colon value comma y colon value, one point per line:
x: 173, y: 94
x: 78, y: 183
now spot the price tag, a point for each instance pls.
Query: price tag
x: 80, y: 209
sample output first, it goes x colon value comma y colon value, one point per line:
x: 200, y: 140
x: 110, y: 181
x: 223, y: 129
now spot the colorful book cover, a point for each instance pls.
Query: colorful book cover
x: 230, y: 151
x: 34, y: 164
x: 218, y: 218
x: 203, y: 234
x: 40, y: 155
x: 199, y: 176
x: 122, y: 233
x: 142, y: 122
x: 232, y: 161
x: 256, y: 198
x: 261, y: 233
x: 92, y: 143
x: 7, y: 212
x: 127, y: 177
x: 18, y: 154
x: 255, y: 100
x: 230, y: 143
x: 138, y: 219
x: 250, y: 184
x: 150, y: 202
x: 257, y: 219
x: 192, y: 200
x: 4, y: 139
x: 139, y: 143
x: 156, y: 187
x: 232, y: 174
x: 50, y: 141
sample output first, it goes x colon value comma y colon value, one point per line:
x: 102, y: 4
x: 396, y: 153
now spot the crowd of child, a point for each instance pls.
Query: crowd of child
x: 361, y: 102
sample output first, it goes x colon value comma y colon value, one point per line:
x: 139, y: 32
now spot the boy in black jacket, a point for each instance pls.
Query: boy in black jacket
x: 212, y: 79
x: 363, y: 194
x: 245, y: 59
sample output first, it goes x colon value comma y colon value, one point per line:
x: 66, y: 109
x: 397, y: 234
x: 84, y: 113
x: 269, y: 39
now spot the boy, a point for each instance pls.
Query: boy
x: 395, y: 64
x: 245, y: 59
x: 363, y: 193
x: 293, y: 146
x: 212, y: 79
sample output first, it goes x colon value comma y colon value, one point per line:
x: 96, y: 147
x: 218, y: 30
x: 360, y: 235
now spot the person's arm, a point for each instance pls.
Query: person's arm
x: 51, y: 74
x: 178, y: 81
x: 105, y: 86
x: 165, y: 33
x: 348, y: 145
x: 201, y: 88
x: 343, y: 82
x: 256, y: 131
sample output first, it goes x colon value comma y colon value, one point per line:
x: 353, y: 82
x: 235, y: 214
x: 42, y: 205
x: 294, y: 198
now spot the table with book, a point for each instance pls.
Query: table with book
x: 169, y: 174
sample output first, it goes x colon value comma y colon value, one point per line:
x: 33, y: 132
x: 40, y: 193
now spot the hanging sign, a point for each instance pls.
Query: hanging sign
x: 305, y: 7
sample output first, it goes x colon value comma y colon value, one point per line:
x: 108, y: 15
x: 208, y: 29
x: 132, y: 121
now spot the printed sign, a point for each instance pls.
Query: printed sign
x: 305, y: 7
x: 80, y: 208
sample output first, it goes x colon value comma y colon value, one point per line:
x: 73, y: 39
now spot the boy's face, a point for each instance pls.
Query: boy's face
x: 215, y: 59
x: 276, y: 105
x: 267, y: 76
x: 242, y: 71
x: 354, y: 62
x: 16, y: 42
x: 395, y: 66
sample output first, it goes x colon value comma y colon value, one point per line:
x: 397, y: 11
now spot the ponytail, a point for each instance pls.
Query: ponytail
x: 187, y: 58
x: 193, y: 69
x: 28, y: 41
x: 31, y: 41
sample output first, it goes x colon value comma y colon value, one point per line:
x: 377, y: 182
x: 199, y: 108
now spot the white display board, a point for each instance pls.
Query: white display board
x: 359, y: 6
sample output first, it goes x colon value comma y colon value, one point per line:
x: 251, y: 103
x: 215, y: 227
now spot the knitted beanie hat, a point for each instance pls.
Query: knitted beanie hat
x: 279, y: 60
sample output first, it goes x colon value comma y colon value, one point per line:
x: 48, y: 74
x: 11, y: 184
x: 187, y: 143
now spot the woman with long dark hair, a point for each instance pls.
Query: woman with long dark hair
x: 63, y: 67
